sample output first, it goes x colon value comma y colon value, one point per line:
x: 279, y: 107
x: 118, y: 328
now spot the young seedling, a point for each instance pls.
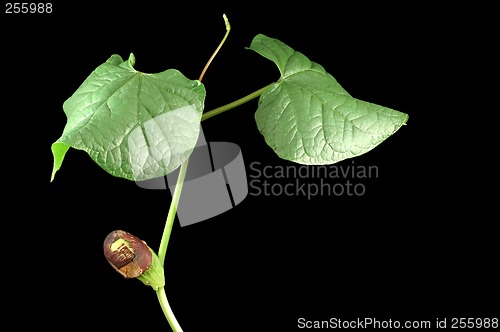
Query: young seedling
x: 140, y: 126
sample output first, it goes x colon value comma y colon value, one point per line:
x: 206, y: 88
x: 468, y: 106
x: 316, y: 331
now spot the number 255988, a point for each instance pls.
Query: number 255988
x: 28, y: 8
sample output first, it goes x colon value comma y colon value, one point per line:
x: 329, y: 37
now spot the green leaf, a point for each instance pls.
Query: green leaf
x: 134, y: 125
x: 308, y: 118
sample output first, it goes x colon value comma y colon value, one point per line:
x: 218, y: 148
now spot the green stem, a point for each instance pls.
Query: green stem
x: 172, y: 212
x: 165, y: 306
x: 234, y: 104
x: 162, y: 251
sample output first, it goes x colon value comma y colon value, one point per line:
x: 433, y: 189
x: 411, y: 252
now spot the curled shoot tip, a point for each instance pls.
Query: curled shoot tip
x: 228, y: 26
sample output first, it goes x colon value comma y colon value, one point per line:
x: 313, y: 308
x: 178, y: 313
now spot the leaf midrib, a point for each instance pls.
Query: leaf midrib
x: 85, y: 121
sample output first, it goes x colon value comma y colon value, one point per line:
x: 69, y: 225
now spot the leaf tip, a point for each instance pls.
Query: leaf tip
x: 55, y: 168
x: 405, y: 119
x: 59, y: 151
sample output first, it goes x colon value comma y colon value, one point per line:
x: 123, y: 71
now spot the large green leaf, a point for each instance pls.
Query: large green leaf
x: 134, y: 125
x: 308, y: 118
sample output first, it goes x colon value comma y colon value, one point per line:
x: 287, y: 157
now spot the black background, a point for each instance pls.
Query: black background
x: 420, y: 244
